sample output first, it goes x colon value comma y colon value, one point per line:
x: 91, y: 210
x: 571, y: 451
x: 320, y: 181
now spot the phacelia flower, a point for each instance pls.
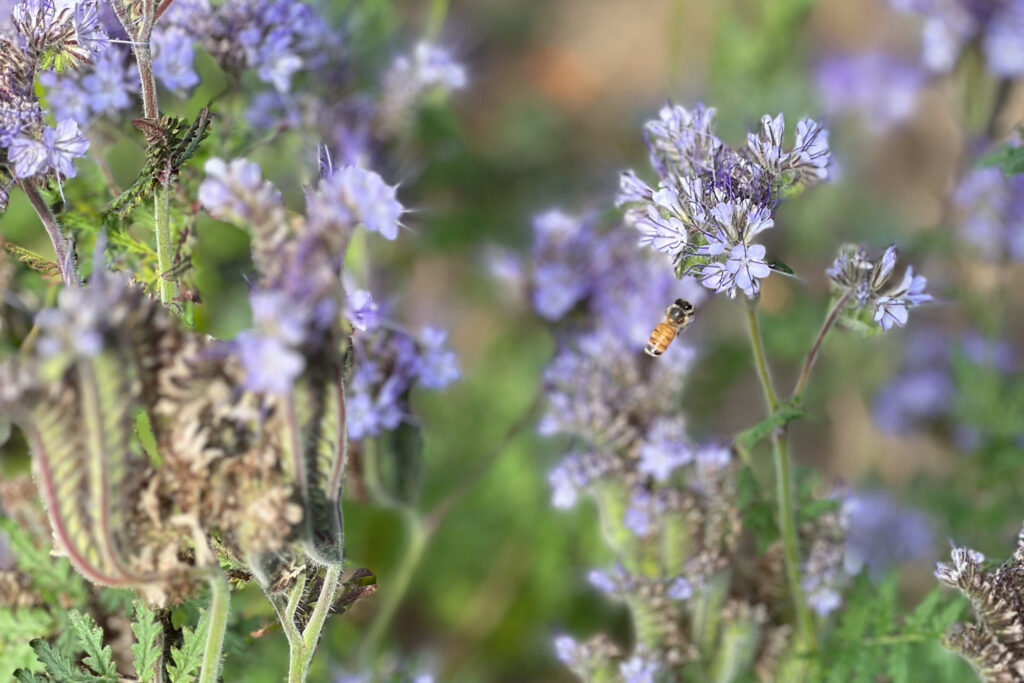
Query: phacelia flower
x: 362, y: 311
x: 990, y: 211
x: 172, y: 58
x: 111, y: 84
x: 712, y: 200
x: 236, y: 190
x: 880, y: 534
x: 664, y: 450
x: 353, y: 196
x: 864, y: 282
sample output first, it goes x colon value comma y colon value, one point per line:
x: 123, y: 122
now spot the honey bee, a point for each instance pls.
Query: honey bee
x: 677, y: 318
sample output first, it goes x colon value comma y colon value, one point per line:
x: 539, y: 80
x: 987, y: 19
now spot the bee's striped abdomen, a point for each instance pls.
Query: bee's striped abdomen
x: 660, y: 339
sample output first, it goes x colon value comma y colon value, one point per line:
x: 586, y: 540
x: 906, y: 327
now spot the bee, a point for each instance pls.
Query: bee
x: 677, y: 318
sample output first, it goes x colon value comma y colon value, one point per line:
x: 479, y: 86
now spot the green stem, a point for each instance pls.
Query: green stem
x: 302, y: 647
x: 60, y: 245
x: 392, y: 596
x: 435, y: 20
x: 164, y: 255
x: 784, y: 491
x: 220, y: 604
x: 770, y: 397
x: 812, y: 355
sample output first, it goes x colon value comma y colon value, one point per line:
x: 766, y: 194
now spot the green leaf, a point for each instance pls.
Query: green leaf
x: 31, y: 259
x: 780, y: 267
x: 98, y: 656
x: 59, y: 666
x: 17, y: 628
x: 147, y: 647
x: 780, y: 418
x: 1007, y: 157
x: 51, y: 577
x: 189, y: 657
x: 26, y: 676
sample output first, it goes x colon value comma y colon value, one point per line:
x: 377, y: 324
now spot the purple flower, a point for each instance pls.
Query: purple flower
x: 880, y: 89
x: 664, y: 449
x: 568, y: 651
x: 638, y: 669
x: 747, y: 266
x: 766, y: 146
x: 270, y: 365
x: 172, y: 58
x: 891, y: 310
x: 438, y: 366
x: 603, y: 582
x: 557, y: 288
x: 881, y: 534
x: 89, y: 28
x: 354, y: 196
x: 713, y: 456
x: 63, y: 145
x: 913, y: 397
x: 680, y: 589
x: 811, y: 154
x: 639, y: 514
x: 361, y: 310
x: 235, y: 191
x: 28, y: 155
x: 111, y: 84
x: 275, y: 60
x: 990, y: 208
x: 66, y: 97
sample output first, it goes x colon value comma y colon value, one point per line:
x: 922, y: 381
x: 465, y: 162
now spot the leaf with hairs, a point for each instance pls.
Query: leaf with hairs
x: 31, y: 259
x: 98, y: 656
x: 147, y: 648
x: 189, y: 657
x: 60, y: 667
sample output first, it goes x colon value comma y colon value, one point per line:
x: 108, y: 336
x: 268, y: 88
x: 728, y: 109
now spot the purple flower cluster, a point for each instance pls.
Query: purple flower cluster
x: 864, y: 285
x: 274, y: 38
x: 389, y: 362
x: 881, y: 534
x: 990, y: 211
x: 712, y: 201
x: 299, y: 298
x: 922, y: 393
x: 951, y: 25
x: 878, y: 88
x: 44, y: 36
x: 428, y: 68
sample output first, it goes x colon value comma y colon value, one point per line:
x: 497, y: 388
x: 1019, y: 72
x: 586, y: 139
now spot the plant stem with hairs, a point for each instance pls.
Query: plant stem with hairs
x: 786, y: 514
x: 220, y: 603
x: 141, y: 34
x: 812, y: 355
x: 60, y: 245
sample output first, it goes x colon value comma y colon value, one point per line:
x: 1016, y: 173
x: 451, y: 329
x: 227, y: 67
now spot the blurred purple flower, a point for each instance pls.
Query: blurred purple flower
x: 638, y: 669
x: 680, y: 589
x: 438, y: 367
x: 111, y: 84
x: 881, y: 534
x: 172, y: 58
x: 877, y: 87
x: 66, y: 97
x: 665, y: 449
x: 235, y: 190
x: 990, y: 207
x: 361, y: 310
x: 355, y: 196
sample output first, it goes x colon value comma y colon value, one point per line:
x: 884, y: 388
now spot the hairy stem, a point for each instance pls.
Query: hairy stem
x: 812, y: 355
x: 786, y: 514
x: 164, y: 256
x: 763, y: 373
x: 303, y: 647
x: 220, y: 604
x: 393, y: 594
x: 60, y: 245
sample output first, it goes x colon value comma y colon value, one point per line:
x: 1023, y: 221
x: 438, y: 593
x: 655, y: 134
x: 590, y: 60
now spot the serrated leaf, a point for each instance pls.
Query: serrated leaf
x: 147, y: 647
x: 31, y: 259
x: 59, y: 666
x: 25, y: 676
x: 98, y: 656
x: 189, y: 657
x: 51, y: 577
x: 780, y: 418
x: 17, y: 628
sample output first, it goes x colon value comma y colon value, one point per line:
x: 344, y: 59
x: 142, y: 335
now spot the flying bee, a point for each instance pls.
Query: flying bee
x: 677, y: 318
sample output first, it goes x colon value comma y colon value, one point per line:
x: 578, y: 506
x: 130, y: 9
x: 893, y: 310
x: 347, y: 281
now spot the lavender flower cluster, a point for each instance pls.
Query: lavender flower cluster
x: 712, y: 201
x: 43, y: 37
x: 300, y: 296
x: 863, y: 284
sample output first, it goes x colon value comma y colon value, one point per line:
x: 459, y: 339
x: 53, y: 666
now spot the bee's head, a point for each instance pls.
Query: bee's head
x: 679, y: 311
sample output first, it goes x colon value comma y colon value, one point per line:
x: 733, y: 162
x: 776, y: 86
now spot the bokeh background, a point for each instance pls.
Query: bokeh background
x: 557, y: 95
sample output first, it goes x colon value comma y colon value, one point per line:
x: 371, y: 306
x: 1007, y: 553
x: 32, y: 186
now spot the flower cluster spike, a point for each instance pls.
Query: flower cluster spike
x: 994, y: 642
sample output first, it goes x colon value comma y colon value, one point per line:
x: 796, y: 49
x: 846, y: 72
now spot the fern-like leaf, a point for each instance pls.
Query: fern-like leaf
x: 31, y: 259
x: 146, y: 649
x: 59, y: 667
x: 187, y: 659
x: 98, y: 656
